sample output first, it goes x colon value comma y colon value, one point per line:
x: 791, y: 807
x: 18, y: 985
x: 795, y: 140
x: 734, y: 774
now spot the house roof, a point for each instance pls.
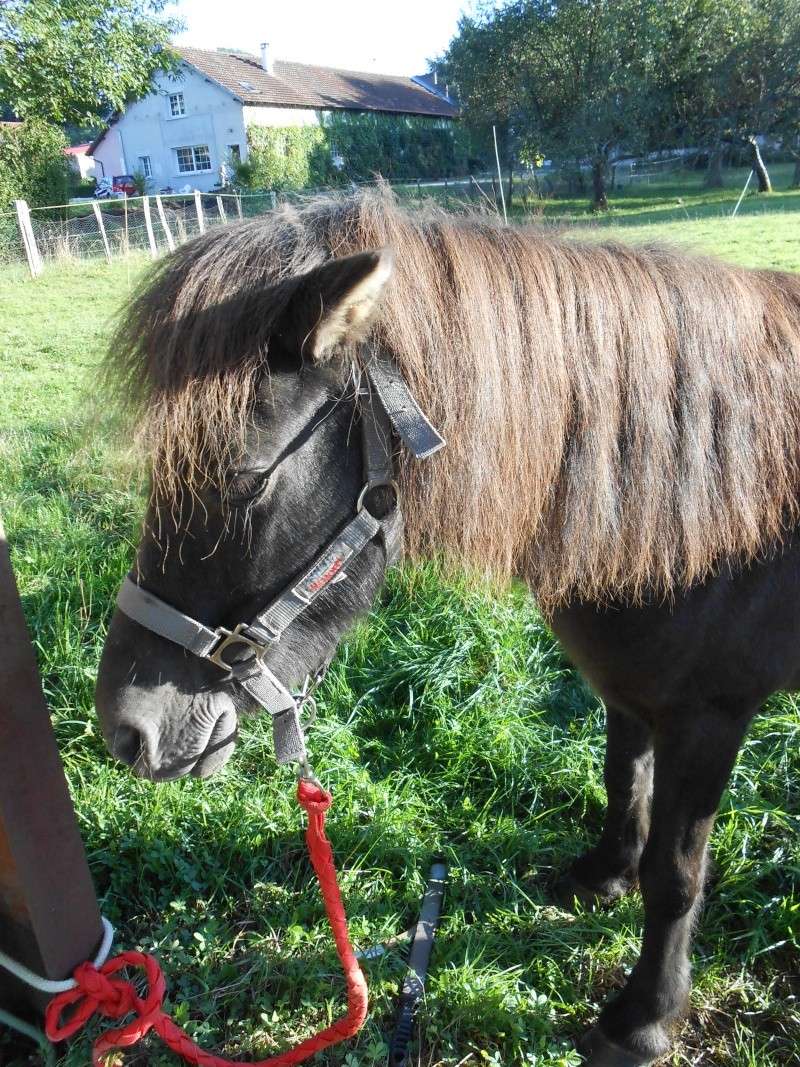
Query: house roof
x: 430, y: 82
x: 77, y: 149
x: 305, y: 85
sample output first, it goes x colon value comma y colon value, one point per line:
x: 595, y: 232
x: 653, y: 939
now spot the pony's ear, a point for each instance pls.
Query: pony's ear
x: 335, y: 303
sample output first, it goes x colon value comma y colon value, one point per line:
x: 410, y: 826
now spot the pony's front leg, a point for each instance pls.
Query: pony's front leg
x: 611, y: 868
x: 694, y: 754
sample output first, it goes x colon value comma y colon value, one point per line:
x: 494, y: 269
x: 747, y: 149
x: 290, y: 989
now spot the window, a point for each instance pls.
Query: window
x: 145, y: 166
x: 249, y: 87
x: 177, y: 107
x: 193, y: 158
x: 234, y: 153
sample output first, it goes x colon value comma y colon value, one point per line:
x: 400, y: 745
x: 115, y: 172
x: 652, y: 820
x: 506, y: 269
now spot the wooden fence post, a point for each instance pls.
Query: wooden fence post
x: 221, y: 210
x: 148, y: 222
x: 198, y: 206
x: 49, y: 918
x: 28, y: 239
x: 165, y: 226
x: 102, y: 227
x: 239, y: 207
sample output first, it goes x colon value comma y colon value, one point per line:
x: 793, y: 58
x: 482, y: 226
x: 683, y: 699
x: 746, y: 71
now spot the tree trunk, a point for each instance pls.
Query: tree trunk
x: 510, y: 185
x: 714, y: 172
x: 764, y: 184
x: 600, y: 197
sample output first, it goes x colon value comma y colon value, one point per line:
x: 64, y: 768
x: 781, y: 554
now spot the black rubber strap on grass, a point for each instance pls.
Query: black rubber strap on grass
x: 418, y: 959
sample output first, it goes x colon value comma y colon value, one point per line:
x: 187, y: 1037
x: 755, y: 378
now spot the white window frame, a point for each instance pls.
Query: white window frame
x: 146, y: 166
x: 177, y: 105
x: 194, y: 149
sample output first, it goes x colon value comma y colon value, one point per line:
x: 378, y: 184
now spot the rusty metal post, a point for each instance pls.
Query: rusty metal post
x: 49, y: 918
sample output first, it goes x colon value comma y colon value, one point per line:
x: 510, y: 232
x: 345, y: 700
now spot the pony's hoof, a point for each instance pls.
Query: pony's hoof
x: 598, y: 1051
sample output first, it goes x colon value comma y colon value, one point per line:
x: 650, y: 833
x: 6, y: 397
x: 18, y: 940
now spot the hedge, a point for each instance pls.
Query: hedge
x: 393, y: 146
x: 33, y: 166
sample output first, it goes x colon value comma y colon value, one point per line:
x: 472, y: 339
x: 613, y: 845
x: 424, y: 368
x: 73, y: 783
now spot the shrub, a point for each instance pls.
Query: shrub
x: 394, y: 146
x: 284, y: 157
x: 33, y: 166
x: 397, y: 146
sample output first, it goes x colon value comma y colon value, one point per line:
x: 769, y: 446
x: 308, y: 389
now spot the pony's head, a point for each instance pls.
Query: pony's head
x: 247, y: 380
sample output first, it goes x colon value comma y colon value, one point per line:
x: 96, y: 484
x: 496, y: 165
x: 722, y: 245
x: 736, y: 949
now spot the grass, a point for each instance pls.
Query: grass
x: 449, y: 723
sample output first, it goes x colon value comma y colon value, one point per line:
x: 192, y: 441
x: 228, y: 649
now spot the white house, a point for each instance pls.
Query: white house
x: 195, y: 122
x: 80, y: 161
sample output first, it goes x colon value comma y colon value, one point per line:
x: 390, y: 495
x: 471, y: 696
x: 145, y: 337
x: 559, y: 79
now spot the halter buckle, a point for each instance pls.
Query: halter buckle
x: 378, y: 483
x: 234, y: 637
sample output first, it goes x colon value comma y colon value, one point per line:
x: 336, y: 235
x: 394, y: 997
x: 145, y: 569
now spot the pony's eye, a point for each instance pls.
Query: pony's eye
x: 244, y: 486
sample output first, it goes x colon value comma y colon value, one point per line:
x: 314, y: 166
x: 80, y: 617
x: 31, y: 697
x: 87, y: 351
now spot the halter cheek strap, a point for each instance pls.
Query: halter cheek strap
x: 386, y: 406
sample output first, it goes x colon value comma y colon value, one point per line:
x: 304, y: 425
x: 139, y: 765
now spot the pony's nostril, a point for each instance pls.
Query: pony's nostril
x: 128, y: 745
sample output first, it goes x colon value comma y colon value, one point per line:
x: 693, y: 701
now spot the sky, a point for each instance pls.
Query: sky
x: 390, y: 36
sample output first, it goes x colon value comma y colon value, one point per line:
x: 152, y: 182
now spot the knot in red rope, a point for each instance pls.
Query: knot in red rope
x: 313, y: 797
x: 98, y: 992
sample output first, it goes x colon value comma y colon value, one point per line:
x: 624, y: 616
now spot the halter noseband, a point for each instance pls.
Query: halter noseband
x: 387, y: 405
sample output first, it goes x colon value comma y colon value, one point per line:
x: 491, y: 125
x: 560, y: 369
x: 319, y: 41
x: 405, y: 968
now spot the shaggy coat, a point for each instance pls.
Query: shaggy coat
x: 620, y: 422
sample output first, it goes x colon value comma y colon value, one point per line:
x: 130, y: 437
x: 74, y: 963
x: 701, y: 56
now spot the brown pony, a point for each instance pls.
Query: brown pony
x: 623, y: 432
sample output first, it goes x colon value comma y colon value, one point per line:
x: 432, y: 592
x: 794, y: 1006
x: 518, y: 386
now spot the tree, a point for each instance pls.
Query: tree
x: 741, y: 79
x: 591, y: 80
x: 77, y: 61
x: 487, y: 85
x: 33, y: 166
x: 569, y: 77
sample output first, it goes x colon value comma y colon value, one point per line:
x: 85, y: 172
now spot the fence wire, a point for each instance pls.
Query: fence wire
x: 116, y: 228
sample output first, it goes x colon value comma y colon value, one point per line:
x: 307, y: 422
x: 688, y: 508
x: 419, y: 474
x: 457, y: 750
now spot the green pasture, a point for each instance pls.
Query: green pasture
x: 450, y: 723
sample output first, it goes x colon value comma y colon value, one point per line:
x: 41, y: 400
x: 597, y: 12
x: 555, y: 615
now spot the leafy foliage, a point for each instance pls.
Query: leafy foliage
x: 285, y: 157
x: 590, y: 80
x: 76, y: 61
x: 33, y: 166
x: 396, y: 146
x: 298, y: 157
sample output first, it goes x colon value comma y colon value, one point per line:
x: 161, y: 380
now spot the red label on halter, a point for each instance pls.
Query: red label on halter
x: 324, y: 572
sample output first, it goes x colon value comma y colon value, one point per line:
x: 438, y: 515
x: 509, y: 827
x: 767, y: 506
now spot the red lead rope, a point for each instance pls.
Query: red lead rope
x: 98, y: 991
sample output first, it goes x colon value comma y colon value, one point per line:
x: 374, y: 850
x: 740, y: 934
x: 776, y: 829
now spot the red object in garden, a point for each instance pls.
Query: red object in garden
x: 123, y: 183
x: 99, y: 991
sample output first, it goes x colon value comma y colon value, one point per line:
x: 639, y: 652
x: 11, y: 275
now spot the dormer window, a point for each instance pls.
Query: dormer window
x: 177, y: 107
x: 250, y: 88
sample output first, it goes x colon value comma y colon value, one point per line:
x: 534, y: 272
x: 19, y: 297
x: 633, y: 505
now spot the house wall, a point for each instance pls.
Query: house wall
x: 280, y: 116
x: 213, y: 118
x: 82, y: 164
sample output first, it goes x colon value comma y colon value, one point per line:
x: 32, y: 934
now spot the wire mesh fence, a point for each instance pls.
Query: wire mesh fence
x: 113, y: 228
x: 156, y: 224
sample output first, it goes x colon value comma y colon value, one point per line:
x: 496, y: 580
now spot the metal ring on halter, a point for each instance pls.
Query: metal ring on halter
x: 388, y: 483
x: 308, y: 707
x: 306, y: 772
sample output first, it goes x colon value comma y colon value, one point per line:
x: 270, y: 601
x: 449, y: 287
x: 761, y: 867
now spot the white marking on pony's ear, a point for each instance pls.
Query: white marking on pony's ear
x: 346, y: 314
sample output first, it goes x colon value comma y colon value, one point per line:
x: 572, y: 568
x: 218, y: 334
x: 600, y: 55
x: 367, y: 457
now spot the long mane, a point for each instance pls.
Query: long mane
x: 620, y: 422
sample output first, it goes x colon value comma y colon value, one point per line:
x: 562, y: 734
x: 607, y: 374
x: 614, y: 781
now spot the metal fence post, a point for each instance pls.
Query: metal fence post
x: 49, y: 918
x: 28, y: 239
